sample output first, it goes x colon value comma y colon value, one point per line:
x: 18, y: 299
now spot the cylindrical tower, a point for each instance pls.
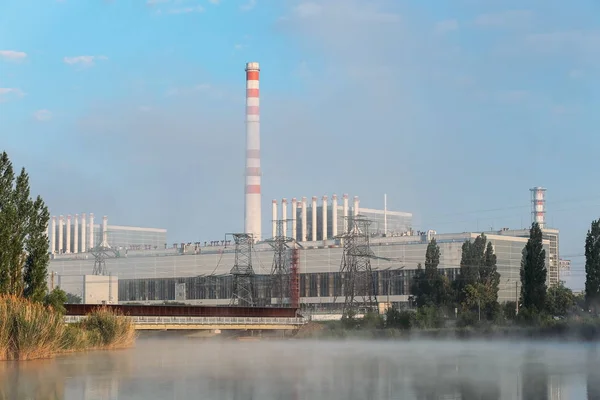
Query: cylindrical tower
x: 324, y: 218
x: 355, y: 207
x: 68, y: 229
x: 385, y: 215
x: 252, y: 215
x: 274, y: 218
x: 105, y: 231
x: 334, y: 215
x: 76, y: 234
x: 345, y: 211
x: 53, y: 237
x: 314, y: 219
x: 83, y: 237
x: 61, y: 227
x: 91, y: 243
x: 294, y: 211
x: 538, y: 206
x: 283, y: 217
x: 304, y: 222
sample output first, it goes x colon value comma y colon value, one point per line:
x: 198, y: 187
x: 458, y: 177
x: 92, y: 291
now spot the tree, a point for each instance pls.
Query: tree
x: 560, y: 300
x: 592, y: 266
x: 73, y: 299
x: 24, y: 254
x: 533, y: 271
x: 56, y: 299
x: 419, y: 289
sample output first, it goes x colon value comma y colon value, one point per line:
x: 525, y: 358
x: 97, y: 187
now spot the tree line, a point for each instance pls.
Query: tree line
x: 24, y: 255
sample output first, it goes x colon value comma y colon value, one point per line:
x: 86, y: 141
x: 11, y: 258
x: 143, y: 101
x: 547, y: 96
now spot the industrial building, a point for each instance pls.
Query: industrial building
x: 80, y: 234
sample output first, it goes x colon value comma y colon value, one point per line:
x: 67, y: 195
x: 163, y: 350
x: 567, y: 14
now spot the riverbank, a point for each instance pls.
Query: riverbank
x: 563, y: 330
x: 31, y: 331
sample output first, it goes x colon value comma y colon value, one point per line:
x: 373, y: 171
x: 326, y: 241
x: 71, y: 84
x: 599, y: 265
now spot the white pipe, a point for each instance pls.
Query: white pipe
x: 274, y: 218
x: 53, y: 237
x: 345, y: 211
x: 68, y: 244
x: 294, y: 211
x: 324, y: 217
x: 355, y: 208
x: 83, y: 237
x: 385, y: 214
x: 105, y: 231
x: 76, y: 235
x: 91, y: 243
x: 61, y: 223
x: 314, y: 218
x: 334, y: 211
x: 284, y: 217
x: 304, y: 217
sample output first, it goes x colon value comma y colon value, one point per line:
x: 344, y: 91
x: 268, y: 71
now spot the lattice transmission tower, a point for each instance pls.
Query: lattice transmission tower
x: 101, y: 252
x: 244, y: 292
x: 358, y: 287
x: 281, y: 281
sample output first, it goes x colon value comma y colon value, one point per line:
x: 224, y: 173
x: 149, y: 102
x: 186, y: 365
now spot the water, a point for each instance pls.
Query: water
x: 176, y: 367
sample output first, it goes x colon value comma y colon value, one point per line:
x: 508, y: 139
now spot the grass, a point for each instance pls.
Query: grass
x: 31, y: 330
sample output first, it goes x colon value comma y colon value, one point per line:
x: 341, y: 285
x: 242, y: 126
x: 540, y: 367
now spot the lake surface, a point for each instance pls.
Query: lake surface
x: 177, y: 367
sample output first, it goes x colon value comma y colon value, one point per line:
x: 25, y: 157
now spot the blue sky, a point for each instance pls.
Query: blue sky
x: 135, y: 109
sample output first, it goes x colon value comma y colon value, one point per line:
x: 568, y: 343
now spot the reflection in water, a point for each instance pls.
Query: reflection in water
x: 174, y: 368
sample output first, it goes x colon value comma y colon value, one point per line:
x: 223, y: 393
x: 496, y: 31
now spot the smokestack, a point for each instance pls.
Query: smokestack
x: 105, y: 231
x: 61, y: 225
x: 538, y: 206
x: 252, y: 212
x: 324, y: 217
x: 53, y: 237
x: 91, y: 243
x: 83, y: 237
x: 284, y: 217
x: 385, y: 214
x: 314, y: 218
x: 294, y: 211
x: 68, y: 244
x: 274, y: 217
x: 345, y: 211
x: 76, y: 235
x: 334, y: 211
x: 304, y: 217
x: 355, y: 206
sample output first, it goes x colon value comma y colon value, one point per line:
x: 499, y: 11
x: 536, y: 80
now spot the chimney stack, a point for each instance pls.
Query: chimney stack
x: 304, y: 217
x: 53, y: 237
x: 252, y: 217
x: 324, y: 218
x: 91, y: 243
x: 83, y: 236
x: 334, y: 217
x: 274, y: 217
x: 284, y: 217
x: 294, y: 211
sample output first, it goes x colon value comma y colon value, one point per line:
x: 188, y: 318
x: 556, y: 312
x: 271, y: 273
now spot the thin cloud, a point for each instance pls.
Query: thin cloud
x: 85, y: 61
x: 248, y: 6
x: 42, y: 115
x: 186, y: 10
x: 446, y: 26
x: 6, y: 92
x: 12, y: 55
x: 215, y: 2
x: 504, y: 19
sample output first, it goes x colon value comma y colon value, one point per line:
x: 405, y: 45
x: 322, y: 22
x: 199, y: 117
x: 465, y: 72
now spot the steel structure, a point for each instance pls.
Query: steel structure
x: 244, y: 292
x: 101, y: 252
x: 358, y: 287
x: 283, y: 247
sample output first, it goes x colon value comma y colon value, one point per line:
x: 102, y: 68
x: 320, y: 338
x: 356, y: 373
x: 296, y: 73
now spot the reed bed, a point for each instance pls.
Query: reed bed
x: 31, y: 330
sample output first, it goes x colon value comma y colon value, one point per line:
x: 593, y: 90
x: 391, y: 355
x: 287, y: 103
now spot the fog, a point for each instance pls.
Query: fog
x: 177, y: 367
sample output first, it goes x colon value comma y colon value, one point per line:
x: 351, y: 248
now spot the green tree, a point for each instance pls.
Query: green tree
x: 592, y: 266
x: 23, y: 241
x: 560, y: 300
x: 56, y: 299
x: 533, y: 271
x: 419, y: 288
x: 73, y: 299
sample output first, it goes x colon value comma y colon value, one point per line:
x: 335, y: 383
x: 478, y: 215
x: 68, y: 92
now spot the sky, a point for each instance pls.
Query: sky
x: 455, y: 109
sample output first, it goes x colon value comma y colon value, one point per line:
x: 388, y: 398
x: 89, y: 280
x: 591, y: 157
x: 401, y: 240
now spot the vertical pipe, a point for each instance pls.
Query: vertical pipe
x: 68, y: 241
x: 334, y: 215
x: 76, y: 235
x: 274, y: 219
x: 105, y: 231
x: 385, y: 215
x: 304, y: 217
x: 294, y: 211
x: 324, y: 217
x: 83, y: 236
x: 252, y: 215
x: 314, y: 218
x: 355, y: 209
x: 53, y: 237
x: 345, y: 211
x: 91, y: 243
x: 61, y: 225
x: 283, y: 217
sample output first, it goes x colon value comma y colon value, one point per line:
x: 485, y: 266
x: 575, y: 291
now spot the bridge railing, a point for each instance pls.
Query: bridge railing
x: 69, y: 319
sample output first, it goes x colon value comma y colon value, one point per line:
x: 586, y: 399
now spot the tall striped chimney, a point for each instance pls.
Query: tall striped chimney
x: 252, y: 217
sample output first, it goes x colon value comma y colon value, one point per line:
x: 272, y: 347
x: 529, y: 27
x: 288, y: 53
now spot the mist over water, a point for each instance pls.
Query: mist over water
x: 176, y: 367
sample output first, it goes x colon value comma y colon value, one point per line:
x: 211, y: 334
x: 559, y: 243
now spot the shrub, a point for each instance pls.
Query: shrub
x: 114, y: 330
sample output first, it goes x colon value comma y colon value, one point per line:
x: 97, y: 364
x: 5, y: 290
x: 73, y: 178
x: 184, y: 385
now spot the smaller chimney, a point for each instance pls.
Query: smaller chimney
x: 274, y: 217
x: 284, y: 217
x: 294, y: 211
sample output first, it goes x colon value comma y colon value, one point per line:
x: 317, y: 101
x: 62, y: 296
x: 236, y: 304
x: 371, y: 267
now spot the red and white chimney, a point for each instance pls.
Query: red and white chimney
x: 252, y: 216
